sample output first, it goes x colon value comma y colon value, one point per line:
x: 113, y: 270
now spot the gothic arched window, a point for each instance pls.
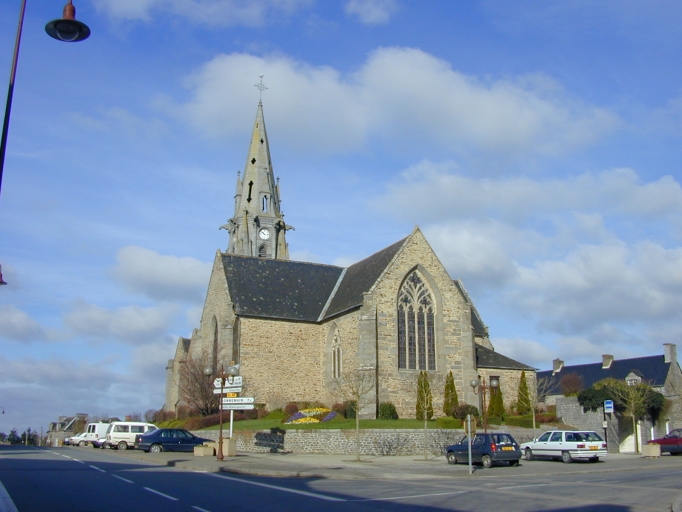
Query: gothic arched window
x: 416, y: 329
x: 336, y: 355
x: 264, y: 206
x: 263, y: 251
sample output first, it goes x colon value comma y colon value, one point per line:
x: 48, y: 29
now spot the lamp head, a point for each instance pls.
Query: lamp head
x: 494, y: 383
x: 474, y: 383
x: 68, y: 29
x: 233, y: 370
x: 208, y: 371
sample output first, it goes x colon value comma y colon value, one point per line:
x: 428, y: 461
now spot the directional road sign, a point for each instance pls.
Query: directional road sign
x: 239, y: 400
x: 217, y: 391
x: 229, y: 381
x: 238, y: 407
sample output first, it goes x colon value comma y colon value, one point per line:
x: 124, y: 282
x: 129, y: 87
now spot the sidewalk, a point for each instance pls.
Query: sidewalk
x: 388, y: 467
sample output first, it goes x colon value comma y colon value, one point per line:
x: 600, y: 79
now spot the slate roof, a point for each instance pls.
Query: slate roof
x: 295, y: 290
x: 291, y: 290
x: 486, y: 358
x: 477, y: 324
x: 359, y: 278
x: 653, y: 369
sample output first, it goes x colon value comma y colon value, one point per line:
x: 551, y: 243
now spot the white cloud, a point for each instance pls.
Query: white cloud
x: 221, y: 13
x: 529, y: 352
x: 372, y: 12
x: 401, y: 95
x: 162, y: 277
x: 19, y: 326
x: 130, y: 324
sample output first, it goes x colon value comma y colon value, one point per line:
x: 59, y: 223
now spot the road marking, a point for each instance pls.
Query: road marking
x: 413, y: 496
x: 98, y: 469
x: 76, y: 460
x: 199, y: 508
x: 6, y: 503
x: 124, y: 479
x: 160, y: 494
x: 278, y: 488
x: 65, y: 456
x: 522, y: 486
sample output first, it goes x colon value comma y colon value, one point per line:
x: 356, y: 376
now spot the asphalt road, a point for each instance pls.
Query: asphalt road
x: 96, y: 480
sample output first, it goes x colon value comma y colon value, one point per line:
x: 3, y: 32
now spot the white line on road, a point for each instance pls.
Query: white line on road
x: 65, y: 456
x: 277, y: 488
x: 522, y: 486
x: 199, y: 508
x: 124, y: 479
x: 160, y: 494
x: 98, y: 469
x: 76, y: 460
x: 412, y: 496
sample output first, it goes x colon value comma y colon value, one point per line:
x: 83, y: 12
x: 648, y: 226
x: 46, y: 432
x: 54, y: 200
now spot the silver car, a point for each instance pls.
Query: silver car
x: 566, y: 445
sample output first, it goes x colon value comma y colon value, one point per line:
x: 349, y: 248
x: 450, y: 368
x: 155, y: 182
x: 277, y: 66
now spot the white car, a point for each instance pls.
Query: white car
x: 566, y: 445
x: 77, y: 440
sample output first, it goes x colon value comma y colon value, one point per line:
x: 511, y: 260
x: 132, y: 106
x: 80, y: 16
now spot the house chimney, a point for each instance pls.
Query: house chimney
x: 670, y: 352
x: 606, y: 360
x: 557, y: 365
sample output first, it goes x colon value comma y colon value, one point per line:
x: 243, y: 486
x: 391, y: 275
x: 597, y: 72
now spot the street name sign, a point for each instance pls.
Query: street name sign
x: 217, y: 391
x: 239, y: 400
x: 238, y: 407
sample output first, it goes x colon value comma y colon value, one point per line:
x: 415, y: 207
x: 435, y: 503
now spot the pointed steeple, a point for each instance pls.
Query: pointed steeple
x: 257, y: 227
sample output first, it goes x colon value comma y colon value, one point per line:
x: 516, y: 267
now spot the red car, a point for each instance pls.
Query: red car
x: 671, y: 442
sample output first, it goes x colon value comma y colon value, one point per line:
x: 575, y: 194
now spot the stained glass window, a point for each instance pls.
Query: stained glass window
x: 416, y: 325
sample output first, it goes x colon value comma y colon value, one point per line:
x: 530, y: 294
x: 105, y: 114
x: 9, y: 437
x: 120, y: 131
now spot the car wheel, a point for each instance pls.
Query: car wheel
x: 122, y: 445
x: 155, y: 448
x: 594, y: 459
x: 566, y: 458
x: 513, y: 462
x: 487, y: 461
x: 82, y: 443
x: 529, y: 454
x: 451, y: 458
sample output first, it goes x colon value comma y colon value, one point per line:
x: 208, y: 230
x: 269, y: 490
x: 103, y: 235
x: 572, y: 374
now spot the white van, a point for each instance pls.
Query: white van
x: 95, y: 432
x: 121, y: 434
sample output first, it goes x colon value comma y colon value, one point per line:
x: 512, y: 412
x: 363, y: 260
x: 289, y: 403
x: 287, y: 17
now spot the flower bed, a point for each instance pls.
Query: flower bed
x: 316, y: 415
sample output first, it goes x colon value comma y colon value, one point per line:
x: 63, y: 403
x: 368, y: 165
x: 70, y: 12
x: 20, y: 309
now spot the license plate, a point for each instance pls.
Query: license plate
x: 594, y: 447
x: 507, y: 448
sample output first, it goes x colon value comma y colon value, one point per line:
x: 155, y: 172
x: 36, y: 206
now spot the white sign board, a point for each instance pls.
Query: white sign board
x: 238, y: 407
x: 608, y: 406
x: 229, y: 381
x: 217, y: 391
x: 239, y: 400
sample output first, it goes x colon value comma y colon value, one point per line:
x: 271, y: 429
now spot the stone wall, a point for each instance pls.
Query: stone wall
x: 372, y: 442
x: 571, y: 413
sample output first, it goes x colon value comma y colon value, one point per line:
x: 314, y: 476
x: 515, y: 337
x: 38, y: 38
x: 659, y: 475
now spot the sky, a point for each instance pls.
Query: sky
x: 537, y: 144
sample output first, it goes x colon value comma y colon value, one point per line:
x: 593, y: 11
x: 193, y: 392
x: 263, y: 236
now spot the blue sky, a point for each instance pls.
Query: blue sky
x: 536, y: 144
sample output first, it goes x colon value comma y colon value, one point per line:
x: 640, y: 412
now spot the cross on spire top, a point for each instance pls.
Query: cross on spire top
x: 261, y: 87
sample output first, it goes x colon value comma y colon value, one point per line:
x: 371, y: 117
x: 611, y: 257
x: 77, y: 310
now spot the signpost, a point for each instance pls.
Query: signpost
x: 608, y: 406
x: 225, y: 389
x: 231, y: 385
x: 239, y: 400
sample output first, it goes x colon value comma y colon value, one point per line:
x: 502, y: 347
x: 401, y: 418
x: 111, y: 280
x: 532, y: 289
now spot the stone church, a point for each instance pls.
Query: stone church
x: 294, y: 327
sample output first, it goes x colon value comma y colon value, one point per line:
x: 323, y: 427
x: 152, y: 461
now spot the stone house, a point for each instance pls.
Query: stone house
x: 662, y: 372
x: 295, y: 327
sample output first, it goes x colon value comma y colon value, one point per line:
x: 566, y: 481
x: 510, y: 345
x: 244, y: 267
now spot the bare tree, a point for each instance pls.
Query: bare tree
x: 196, y: 390
x: 543, y: 387
x: 424, y: 406
x: 355, y: 386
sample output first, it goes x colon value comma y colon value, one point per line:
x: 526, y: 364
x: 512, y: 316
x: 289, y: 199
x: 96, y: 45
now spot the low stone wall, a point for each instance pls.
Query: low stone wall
x: 372, y: 442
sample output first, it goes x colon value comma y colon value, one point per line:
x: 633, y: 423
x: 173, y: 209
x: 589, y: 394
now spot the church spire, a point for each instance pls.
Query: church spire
x: 257, y: 227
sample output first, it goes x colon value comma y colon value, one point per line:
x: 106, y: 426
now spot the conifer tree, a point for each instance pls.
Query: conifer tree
x: 523, y: 406
x: 496, y: 405
x: 450, y: 400
x: 424, y: 398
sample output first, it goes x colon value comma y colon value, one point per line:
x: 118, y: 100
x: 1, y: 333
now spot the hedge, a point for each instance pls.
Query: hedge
x: 448, y: 422
x: 519, y: 421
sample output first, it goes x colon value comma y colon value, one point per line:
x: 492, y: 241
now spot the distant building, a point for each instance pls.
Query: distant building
x: 662, y: 372
x: 294, y: 327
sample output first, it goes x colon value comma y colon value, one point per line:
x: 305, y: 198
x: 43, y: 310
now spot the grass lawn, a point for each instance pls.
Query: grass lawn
x: 341, y: 424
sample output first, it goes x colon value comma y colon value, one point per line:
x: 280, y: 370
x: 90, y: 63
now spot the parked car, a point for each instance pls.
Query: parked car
x: 121, y: 434
x: 99, y: 443
x: 167, y: 440
x: 77, y: 440
x: 95, y: 431
x: 566, y: 445
x: 671, y: 442
x: 485, y: 448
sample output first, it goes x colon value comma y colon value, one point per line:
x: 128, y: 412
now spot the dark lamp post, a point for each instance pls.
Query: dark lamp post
x: 481, y: 387
x: 68, y: 29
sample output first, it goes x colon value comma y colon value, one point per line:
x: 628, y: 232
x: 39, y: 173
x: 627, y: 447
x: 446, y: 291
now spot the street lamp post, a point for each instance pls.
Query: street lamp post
x: 479, y: 386
x: 223, y: 376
